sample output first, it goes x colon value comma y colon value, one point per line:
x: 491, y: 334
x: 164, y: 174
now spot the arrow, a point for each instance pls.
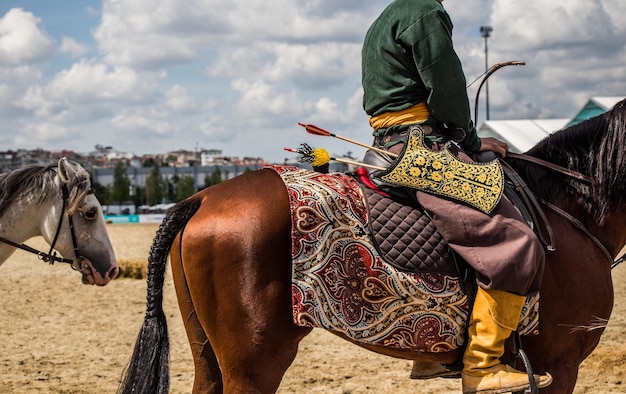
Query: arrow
x: 312, y: 129
x: 318, y: 157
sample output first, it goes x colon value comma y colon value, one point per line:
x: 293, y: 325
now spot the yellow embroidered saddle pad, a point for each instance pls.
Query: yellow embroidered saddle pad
x: 340, y: 281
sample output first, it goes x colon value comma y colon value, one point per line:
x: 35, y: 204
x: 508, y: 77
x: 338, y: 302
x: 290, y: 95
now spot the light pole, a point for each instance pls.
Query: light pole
x: 485, y: 31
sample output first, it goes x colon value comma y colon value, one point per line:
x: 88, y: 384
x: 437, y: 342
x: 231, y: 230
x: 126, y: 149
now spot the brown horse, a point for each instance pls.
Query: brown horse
x: 230, y: 255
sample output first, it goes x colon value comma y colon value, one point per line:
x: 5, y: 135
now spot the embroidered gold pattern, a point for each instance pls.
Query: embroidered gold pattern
x: 477, y: 184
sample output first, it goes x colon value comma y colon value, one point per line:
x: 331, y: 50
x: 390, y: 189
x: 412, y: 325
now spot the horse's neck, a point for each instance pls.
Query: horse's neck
x: 611, y: 234
x: 20, y: 223
x: 614, y: 232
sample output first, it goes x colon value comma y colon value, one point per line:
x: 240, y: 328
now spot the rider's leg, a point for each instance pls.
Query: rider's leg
x: 494, y: 317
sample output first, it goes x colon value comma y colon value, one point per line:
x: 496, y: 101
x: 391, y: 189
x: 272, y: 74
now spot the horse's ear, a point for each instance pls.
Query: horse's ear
x: 66, y: 171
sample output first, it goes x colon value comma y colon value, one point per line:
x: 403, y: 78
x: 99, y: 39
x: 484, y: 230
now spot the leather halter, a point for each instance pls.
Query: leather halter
x: 51, y: 257
x: 575, y: 222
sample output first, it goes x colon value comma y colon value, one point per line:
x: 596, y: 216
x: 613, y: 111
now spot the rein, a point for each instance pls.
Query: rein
x: 552, y: 166
x: 51, y: 257
x: 575, y: 222
x: 581, y: 227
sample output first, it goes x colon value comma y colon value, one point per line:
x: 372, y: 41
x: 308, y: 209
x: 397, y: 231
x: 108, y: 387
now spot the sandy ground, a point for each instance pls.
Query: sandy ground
x: 59, y: 336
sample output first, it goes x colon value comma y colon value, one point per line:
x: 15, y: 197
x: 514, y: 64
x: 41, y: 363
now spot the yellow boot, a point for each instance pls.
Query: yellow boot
x: 494, y: 316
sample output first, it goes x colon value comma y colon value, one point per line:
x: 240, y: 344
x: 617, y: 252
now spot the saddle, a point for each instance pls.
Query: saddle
x: 515, y: 189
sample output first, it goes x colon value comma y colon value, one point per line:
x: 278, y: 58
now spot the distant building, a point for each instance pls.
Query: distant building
x: 110, y: 153
x: 208, y: 157
x: 12, y: 159
x: 180, y: 158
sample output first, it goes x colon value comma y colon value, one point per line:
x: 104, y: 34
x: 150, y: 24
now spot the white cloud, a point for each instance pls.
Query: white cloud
x: 138, y: 123
x: 21, y: 40
x: 88, y: 80
x: 85, y: 84
x: 261, y: 105
x: 313, y: 66
x: 129, y: 30
x: 564, y: 25
x: 210, y: 105
x: 73, y: 47
x: 238, y: 61
x: 326, y: 108
x: 178, y: 100
x: 43, y: 134
x: 13, y: 82
x: 148, y: 35
x: 217, y: 131
x: 354, y: 109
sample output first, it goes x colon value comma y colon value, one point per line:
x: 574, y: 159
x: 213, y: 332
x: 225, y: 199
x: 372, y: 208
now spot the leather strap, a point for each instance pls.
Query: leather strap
x: 553, y: 167
x: 578, y: 224
x: 534, y: 207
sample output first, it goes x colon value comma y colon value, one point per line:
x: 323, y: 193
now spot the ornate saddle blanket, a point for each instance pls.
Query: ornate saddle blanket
x: 343, y: 282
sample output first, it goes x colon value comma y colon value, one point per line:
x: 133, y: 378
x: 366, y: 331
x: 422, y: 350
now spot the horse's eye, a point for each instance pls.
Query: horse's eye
x: 90, y: 213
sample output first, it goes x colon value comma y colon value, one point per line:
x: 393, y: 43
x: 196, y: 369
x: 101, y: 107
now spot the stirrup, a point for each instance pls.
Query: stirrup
x: 521, y: 354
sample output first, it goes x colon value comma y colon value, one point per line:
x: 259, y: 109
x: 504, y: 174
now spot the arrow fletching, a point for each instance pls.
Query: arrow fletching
x: 312, y: 129
x: 316, y: 157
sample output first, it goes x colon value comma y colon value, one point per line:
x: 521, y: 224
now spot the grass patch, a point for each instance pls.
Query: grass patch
x: 133, y: 268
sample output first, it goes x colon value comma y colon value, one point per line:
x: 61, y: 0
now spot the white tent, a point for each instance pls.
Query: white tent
x: 523, y: 134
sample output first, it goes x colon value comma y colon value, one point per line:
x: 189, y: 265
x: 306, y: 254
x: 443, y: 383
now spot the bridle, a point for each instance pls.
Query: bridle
x: 51, y: 257
x: 571, y: 219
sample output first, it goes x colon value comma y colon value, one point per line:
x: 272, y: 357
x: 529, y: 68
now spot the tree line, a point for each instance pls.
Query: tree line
x: 156, y: 190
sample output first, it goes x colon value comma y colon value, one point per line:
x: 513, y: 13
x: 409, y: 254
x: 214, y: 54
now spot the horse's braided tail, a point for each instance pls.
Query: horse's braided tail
x: 148, y: 370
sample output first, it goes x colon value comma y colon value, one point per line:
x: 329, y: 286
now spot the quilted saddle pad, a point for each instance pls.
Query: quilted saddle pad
x: 406, y: 238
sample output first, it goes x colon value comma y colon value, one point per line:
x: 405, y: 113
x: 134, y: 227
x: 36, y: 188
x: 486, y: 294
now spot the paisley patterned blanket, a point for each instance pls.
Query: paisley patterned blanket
x: 341, y: 283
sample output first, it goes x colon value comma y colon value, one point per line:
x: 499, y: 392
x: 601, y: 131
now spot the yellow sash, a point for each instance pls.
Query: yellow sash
x: 416, y: 114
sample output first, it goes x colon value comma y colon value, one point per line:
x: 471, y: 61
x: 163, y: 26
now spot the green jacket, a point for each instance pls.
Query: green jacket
x: 407, y: 58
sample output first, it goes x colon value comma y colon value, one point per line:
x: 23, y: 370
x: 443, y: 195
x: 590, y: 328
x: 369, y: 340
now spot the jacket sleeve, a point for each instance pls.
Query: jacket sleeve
x: 439, y: 67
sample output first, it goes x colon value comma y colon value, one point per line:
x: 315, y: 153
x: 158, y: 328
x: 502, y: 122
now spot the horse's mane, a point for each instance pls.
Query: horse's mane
x: 37, y: 182
x: 595, y: 147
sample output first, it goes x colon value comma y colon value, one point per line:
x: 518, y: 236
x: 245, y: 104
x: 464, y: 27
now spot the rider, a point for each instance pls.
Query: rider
x: 412, y: 75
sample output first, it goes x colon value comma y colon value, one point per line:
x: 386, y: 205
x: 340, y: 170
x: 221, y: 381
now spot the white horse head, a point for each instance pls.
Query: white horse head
x: 57, y: 203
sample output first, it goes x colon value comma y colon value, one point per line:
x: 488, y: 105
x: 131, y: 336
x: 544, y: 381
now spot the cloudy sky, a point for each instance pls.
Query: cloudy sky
x: 150, y: 76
